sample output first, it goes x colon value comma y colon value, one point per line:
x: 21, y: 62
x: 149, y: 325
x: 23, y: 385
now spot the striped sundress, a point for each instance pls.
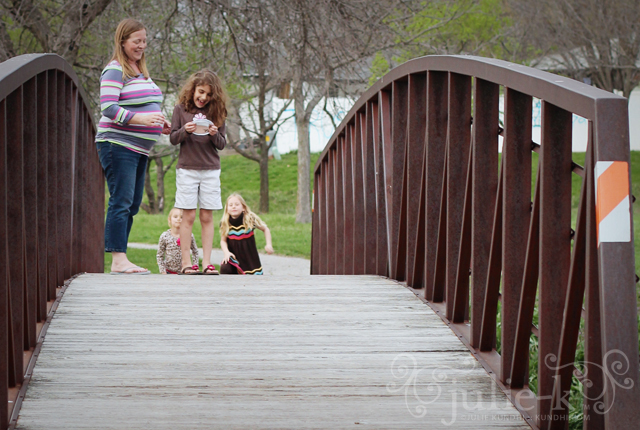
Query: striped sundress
x: 242, y: 243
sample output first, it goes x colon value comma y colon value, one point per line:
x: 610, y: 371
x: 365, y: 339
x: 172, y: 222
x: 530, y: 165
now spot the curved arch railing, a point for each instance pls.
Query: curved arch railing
x: 51, y: 205
x: 411, y: 186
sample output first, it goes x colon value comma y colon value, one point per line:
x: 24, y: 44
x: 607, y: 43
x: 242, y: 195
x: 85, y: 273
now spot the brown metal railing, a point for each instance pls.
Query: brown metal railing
x: 51, y: 205
x: 411, y: 186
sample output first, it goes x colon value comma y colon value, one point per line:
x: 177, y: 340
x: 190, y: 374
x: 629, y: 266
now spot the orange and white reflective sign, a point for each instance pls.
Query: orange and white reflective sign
x: 613, y: 203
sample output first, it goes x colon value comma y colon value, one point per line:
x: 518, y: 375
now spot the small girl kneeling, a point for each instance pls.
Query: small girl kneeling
x: 169, y: 254
x: 237, y: 240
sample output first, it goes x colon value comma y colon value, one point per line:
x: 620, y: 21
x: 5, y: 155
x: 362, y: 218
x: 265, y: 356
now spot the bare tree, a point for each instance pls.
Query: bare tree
x: 156, y: 204
x: 324, y: 38
x: 52, y: 26
x: 253, y: 28
x: 595, y: 39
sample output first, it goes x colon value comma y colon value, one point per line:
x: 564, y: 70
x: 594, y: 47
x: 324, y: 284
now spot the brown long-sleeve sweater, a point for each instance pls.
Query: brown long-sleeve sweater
x: 196, y: 152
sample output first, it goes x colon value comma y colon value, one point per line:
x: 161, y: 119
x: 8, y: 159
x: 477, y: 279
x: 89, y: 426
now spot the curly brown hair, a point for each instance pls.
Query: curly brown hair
x: 216, y: 109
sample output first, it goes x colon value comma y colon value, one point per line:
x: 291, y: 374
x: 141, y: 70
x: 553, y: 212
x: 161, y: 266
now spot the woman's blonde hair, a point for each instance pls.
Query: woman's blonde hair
x: 251, y: 220
x: 171, y: 212
x: 217, y: 106
x: 123, y: 32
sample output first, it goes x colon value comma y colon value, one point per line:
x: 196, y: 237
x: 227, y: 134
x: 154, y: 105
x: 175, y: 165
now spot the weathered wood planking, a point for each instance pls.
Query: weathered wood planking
x: 199, y: 352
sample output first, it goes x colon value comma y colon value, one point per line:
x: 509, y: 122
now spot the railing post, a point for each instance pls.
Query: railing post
x: 5, y: 309
x: 616, y: 267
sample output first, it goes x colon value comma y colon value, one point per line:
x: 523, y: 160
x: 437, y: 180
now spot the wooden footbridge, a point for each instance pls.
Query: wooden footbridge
x: 440, y: 274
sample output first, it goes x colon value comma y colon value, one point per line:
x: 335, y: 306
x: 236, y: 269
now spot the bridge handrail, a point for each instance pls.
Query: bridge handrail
x: 51, y: 206
x: 411, y: 186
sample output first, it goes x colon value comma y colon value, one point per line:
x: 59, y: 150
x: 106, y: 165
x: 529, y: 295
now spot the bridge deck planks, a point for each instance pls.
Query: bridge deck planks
x: 312, y: 352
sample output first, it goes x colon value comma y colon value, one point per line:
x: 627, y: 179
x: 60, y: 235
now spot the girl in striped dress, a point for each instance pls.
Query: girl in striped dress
x: 238, y: 242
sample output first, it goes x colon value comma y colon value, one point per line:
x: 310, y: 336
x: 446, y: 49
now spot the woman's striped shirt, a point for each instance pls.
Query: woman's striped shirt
x: 120, y: 101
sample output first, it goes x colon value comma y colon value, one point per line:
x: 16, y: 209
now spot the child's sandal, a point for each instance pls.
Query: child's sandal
x: 195, y: 268
x: 210, y: 270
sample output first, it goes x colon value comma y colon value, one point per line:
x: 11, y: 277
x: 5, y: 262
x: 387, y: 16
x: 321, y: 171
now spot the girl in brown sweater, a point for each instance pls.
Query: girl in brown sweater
x: 198, y: 126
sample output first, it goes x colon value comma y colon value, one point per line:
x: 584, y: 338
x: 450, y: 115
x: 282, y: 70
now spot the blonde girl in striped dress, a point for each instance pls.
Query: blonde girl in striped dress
x: 238, y: 242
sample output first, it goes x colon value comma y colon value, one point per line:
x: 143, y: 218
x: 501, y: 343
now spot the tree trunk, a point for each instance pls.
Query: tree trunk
x: 151, y: 208
x: 160, y: 183
x: 303, y: 211
x: 264, y: 179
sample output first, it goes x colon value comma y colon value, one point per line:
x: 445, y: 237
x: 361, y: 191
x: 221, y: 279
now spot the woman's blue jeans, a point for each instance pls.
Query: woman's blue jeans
x: 125, y: 172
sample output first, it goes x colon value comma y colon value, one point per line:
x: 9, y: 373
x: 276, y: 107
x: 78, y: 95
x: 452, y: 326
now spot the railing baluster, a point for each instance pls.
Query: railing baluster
x: 5, y: 309
x: 555, y: 245
x: 399, y: 100
x: 80, y: 165
x: 349, y: 222
x: 416, y: 129
x: 592, y: 324
x: 520, y: 361
x: 386, y: 153
x: 358, y: 196
x: 571, y: 317
x: 324, y: 244
x: 60, y: 219
x: 42, y: 178
x: 30, y: 166
x: 485, y: 185
x: 66, y: 179
x: 53, y: 126
x: 436, y: 143
x: 460, y: 309
x: 380, y: 202
x: 458, y: 146
x: 418, y: 269
x: 370, y: 210
x: 492, y: 289
x: 315, y: 225
x: 331, y: 212
x: 440, y: 261
x: 15, y: 237
x: 338, y: 207
x: 516, y: 210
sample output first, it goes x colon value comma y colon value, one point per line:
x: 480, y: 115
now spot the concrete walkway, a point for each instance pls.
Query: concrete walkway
x: 271, y: 264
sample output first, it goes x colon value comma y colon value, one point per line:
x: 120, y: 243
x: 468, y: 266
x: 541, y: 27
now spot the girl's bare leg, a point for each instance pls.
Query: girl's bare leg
x: 186, y: 227
x: 206, y: 220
